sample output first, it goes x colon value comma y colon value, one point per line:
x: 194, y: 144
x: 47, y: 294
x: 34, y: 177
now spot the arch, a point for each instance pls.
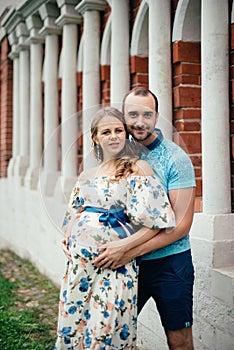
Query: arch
x: 187, y: 23
x: 232, y: 14
x: 139, y: 42
x: 105, y: 58
x: 80, y: 56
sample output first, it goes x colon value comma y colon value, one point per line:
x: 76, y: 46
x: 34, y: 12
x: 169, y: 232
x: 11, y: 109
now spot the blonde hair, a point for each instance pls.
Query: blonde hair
x: 127, y: 158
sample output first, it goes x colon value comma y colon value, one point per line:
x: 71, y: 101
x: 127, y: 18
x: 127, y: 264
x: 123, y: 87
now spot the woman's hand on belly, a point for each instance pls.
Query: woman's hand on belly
x: 109, y: 255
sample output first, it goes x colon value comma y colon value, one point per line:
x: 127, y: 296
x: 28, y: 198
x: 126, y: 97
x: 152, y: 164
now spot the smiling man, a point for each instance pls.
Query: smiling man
x: 166, y: 268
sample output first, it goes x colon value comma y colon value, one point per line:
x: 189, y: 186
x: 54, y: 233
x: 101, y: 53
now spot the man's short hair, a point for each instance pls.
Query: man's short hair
x: 141, y: 91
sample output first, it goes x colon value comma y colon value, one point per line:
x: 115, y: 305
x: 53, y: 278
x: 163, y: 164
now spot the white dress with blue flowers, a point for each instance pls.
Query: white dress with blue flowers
x: 98, y: 307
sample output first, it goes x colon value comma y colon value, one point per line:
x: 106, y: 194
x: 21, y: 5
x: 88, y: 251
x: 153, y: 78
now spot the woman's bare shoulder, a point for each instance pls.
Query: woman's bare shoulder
x: 143, y: 168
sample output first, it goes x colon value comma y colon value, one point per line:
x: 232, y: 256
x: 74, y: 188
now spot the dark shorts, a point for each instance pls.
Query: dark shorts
x: 169, y: 281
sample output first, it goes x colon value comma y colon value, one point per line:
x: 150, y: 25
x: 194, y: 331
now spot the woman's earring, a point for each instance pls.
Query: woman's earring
x: 98, y: 152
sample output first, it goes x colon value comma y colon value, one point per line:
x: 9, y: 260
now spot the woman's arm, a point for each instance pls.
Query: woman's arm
x: 115, y: 250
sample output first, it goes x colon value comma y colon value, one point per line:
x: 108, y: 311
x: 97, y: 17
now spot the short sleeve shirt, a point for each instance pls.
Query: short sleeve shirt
x: 175, y: 170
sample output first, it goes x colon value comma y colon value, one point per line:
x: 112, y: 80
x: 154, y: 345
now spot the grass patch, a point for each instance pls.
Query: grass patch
x: 28, y: 306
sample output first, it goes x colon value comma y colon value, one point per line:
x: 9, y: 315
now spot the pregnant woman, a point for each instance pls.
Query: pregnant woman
x: 115, y: 202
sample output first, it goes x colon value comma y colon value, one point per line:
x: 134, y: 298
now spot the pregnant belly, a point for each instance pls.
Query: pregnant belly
x: 89, y: 231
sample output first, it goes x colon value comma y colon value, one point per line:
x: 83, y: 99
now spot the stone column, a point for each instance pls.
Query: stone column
x: 160, y: 60
x: 119, y: 51
x: 215, y: 108
x: 91, y: 79
x: 50, y: 31
x: 34, y: 24
x: 14, y: 55
x: 22, y: 160
x: 68, y: 20
x: 212, y: 230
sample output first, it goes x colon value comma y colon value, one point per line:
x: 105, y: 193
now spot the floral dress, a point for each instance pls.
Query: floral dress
x: 98, y: 307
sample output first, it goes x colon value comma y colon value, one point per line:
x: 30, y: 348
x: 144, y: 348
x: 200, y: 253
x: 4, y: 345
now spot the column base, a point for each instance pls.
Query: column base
x: 20, y: 168
x: 212, y: 239
x: 64, y: 187
x: 11, y: 166
x: 31, y: 178
x: 47, y: 182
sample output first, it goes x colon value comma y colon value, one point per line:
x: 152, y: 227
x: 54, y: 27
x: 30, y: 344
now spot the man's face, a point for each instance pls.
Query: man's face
x: 141, y: 117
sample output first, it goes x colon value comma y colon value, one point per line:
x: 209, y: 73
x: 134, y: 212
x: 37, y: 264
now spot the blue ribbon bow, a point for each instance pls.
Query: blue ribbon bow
x: 113, y: 217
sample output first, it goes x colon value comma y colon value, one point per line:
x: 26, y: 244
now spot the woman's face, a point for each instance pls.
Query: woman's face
x: 111, y: 136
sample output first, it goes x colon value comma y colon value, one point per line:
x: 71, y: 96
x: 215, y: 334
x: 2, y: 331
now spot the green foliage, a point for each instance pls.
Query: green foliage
x: 28, y: 306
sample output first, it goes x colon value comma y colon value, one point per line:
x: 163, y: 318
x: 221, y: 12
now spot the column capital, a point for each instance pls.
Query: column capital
x: 49, y: 12
x: 2, y: 33
x: 11, y: 20
x: 22, y: 35
x: 13, y: 54
x: 68, y: 13
x: 91, y: 5
x: 34, y: 24
x: 13, y: 40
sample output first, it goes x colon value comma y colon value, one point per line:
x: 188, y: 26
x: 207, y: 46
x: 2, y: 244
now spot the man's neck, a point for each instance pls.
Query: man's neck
x: 149, y: 139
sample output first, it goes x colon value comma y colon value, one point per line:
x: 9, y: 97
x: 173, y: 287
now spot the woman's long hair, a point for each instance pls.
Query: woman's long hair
x: 126, y: 159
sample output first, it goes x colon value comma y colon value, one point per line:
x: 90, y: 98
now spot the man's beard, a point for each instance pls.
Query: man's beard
x: 140, y: 139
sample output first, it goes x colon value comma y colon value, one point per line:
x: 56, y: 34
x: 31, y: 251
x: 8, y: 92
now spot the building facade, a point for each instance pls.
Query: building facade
x: 63, y: 59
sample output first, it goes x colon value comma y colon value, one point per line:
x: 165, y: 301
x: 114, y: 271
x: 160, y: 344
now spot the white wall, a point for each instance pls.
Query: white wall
x: 29, y: 226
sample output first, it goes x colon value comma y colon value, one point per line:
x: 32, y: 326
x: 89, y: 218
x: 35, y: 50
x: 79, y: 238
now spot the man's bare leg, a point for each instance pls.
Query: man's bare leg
x: 180, y: 339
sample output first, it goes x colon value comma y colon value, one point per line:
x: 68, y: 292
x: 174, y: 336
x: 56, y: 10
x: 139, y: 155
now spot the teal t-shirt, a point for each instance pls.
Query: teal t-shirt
x: 175, y: 170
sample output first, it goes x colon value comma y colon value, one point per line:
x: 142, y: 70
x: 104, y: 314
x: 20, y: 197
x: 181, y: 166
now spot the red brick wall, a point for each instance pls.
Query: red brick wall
x: 186, y: 96
x: 59, y: 84
x: 232, y: 113
x: 187, y: 105
x: 139, y: 71
x: 105, y: 84
x: 6, y: 118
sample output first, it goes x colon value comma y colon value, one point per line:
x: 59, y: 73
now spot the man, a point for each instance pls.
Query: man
x: 166, y: 269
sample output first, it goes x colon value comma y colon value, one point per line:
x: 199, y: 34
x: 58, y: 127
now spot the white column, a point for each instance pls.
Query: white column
x: 69, y: 20
x: 24, y: 83
x: 14, y: 55
x: 36, y: 51
x: 91, y: 66
x: 119, y: 51
x: 69, y: 101
x: 51, y: 103
x: 16, y: 138
x: 50, y: 31
x: 215, y: 107
x: 160, y: 61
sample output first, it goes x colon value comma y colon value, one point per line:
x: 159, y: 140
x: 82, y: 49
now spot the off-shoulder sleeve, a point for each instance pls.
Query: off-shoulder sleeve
x: 73, y: 208
x: 147, y: 202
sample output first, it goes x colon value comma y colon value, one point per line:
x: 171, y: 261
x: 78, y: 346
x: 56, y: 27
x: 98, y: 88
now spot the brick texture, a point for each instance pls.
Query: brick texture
x: 232, y: 114
x: 186, y: 80
x: 6, y: 119
x: 105, y: 84
x: 139, y: 71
